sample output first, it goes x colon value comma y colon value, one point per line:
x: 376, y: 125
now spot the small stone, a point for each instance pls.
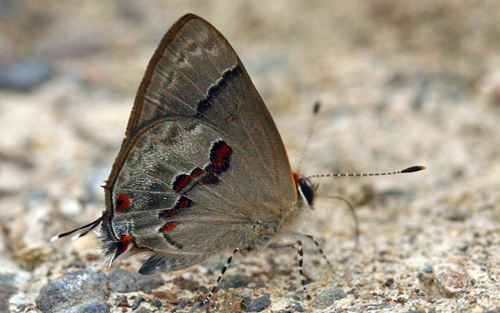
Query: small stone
x: 18, y: 299
x: 327, y: 298
x: 7, y: 289
x: 89, y: 307
x: 235, y: 281
x: 147, y: 283
x: 445, y: 280
x: 123, y: 301
x: 79, y: 291
x: 156, y: 303
x: 170, y: 297
x: 182, y: 303
x: 297, y: 308
x: 259, y: 304
x: 121, y: 280
x: 451, y: 279
x: 293, y: 287
x: 187, y: 284
x: 389, y: 282
x: 25, y: 75
x: 137, y: 303
x: 245, y: 302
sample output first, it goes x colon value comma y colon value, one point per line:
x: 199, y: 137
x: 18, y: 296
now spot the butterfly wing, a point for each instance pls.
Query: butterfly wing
x: 202, y: 160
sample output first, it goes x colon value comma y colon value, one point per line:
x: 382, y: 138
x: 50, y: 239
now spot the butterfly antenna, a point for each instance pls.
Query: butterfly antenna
x: 406, y: 170
x: 310, y: 131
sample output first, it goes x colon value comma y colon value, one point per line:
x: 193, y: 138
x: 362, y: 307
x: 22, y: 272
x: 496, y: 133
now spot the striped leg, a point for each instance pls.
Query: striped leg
x: 300, y: 256
x: 310, y: 237
x: 300, y: 259
x: 228, y: 262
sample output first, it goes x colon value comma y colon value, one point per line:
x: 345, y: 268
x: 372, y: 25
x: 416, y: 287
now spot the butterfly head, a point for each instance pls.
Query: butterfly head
x: 306, y: 189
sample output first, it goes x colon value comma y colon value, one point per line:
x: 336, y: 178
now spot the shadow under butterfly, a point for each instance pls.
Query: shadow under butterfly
x: 202, y: 170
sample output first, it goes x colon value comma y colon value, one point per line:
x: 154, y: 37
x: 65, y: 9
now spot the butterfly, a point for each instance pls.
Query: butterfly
x: 202, y: 170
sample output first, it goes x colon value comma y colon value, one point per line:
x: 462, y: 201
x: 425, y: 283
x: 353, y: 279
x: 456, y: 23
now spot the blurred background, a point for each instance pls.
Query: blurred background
x: 401, y: 83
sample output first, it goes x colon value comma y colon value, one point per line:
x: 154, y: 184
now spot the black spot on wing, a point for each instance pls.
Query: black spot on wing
x: 214, y: 90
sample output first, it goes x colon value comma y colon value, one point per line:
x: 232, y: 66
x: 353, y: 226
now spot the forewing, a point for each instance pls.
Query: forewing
x: 196, y: 73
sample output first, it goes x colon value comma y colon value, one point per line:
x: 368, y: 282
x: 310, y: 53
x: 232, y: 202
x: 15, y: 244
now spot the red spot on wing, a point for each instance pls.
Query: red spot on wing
x: 182, y: 203
x: 220, y: 157
x: 220, y: 160
x: 123, y: 202
x: 183, y: 180
x: 126, y: 239
x: 127, y: 242
x: 168, y: 227
x: 197, y: 172
x: 124, y: 243
x: 168, y: 213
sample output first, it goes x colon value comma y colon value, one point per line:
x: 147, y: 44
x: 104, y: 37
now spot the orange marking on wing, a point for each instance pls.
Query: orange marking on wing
x: 123, y: 202
x: 168, y: 227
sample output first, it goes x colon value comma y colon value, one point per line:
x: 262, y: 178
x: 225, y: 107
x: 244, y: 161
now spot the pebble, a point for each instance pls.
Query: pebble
x: 186, y: 284
x: 327, y: 298
x: 137, y: 303
x: 258, y: 304
x: 147, y: 283
x: 25, y: 75
x: 18, y: 299
x: 79, y: 291
x: 235, y: 281
x: 7, y: 289
x: 156, y: 303
x: 445, y: 280
x: 121, y: 280
x: 389, y: 282
x: 451, y: 279
x: 89, y: 307
x: 297, y: 308
x: 122, y: 301
x: 182, y: 304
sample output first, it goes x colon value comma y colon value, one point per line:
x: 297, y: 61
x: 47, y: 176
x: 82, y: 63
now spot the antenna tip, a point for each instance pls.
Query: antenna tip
x: 413, y: 169
x: 54, y: 238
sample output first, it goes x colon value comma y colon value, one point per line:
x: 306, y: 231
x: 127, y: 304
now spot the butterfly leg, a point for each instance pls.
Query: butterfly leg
x: 214, y: 289
x: 300, y: 260
x: 318, y: 247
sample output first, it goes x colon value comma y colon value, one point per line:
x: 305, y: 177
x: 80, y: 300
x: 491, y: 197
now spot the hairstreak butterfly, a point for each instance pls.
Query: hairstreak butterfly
x: 202, y: 170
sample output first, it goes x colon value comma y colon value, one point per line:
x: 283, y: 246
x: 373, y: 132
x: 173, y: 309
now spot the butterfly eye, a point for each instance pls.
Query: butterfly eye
x: 307, y: 190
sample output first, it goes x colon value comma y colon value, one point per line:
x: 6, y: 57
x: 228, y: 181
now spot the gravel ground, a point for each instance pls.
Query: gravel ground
x: 401, y: 83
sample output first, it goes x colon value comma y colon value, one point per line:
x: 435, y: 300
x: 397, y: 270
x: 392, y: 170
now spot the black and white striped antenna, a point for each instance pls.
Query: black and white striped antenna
x: 410, y: 169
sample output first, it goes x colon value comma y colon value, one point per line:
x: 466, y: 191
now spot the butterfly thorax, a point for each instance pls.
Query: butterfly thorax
x: 266, y: 232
